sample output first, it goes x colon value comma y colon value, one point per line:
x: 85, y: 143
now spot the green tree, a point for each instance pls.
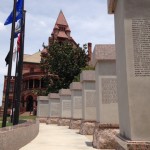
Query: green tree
x: 62, y: 63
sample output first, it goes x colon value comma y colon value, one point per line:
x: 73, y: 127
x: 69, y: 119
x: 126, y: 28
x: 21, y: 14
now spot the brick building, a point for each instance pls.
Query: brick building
x: 31, y: 81
x: 31, y: 68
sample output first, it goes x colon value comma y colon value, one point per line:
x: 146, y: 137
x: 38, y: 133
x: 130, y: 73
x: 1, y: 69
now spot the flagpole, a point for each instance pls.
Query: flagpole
x: 15, y: 89
x: 9, y: 67
x: 20, y: 69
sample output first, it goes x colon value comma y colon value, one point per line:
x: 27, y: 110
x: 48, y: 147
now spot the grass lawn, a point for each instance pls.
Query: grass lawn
x: 7, y: 124
x: 22, y: 119
x: 27, y: 117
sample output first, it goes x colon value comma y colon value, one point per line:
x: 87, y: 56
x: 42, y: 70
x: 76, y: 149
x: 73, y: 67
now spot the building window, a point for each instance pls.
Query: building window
x: 62, y: 28
x: 11, y: 87
x: 26, y: 85
x: 31, y: 70
x: 30, y: 84
x: 36, y: 83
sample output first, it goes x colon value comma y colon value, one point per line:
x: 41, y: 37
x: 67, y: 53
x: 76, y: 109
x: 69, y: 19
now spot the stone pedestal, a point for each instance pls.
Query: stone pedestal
x: 65, y: 107
x: 76, y: 100
x: 104, y: 60
x: 87, y: 127
x: 65, y: 103
x: 54, y: 108
x: 104, y: 136
x: 64, y: 122
x: 132, y: 29
x: 43, y: 106
x: 75, y: 124
x: 76, y: 105
x: 87, y: 78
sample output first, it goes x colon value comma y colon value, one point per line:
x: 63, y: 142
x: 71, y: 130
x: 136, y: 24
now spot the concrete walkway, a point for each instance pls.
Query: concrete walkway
x: 53, y: 137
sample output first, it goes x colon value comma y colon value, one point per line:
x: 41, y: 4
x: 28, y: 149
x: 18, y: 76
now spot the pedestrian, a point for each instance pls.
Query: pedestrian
x: 31, y: 110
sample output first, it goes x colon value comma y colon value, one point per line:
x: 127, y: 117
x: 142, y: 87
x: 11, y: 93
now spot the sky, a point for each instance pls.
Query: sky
x: 88, y: 21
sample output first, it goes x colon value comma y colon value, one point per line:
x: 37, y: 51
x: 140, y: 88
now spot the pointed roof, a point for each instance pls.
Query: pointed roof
x: 61, y: 29
x: 61, y: 20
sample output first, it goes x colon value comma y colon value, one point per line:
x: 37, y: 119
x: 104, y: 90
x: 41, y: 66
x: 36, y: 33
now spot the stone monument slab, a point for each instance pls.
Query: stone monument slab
x: 43, y: 108
x: 65, y: 107
x: 76, y: 105
x: 54, y: 108
x: 104, y: 61
x: 132, y: 29
x: 87, y: 78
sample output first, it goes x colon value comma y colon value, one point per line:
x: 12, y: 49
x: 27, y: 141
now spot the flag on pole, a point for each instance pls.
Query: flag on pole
x: 17, y: 28
x: 7, y: 58
x: 18, y: 43
x: 14, y: 54
x: 19, y: 7
x: 13, y: 57
x: 17, y: 31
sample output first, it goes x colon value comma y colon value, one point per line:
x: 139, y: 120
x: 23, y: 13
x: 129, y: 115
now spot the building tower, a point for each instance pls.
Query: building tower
x: 61, y: 31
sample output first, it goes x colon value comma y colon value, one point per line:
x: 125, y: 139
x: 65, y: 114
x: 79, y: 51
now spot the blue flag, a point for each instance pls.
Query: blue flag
x: 19, y: 7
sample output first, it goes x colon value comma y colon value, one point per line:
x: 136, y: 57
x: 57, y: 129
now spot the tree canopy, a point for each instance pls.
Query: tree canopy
x: 62, y: 63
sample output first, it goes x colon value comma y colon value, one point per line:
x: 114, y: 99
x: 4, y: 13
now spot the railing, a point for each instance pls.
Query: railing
x: 33, y: 73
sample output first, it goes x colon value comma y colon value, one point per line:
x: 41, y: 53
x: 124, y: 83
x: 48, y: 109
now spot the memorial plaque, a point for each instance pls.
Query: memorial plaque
x: 109, y: 90
x: 66, y: 105
x: 77, y: 113
x: 55, y: 109
x: 43, y: 111
x: 77, y: 103
x: 66, y: 108
x: 90, y: 99
x: 141, y: 44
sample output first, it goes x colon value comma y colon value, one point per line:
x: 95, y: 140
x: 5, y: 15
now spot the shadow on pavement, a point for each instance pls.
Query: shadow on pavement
x: 89, y: 144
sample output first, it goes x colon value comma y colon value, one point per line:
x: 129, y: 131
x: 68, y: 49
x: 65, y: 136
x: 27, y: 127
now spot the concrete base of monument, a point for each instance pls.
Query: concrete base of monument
x: 87, y: 127
x: 75, y: 124
x: 104, y: 136
x: 52, y: 120
x: 42, y: 119
x: 63, y: 121
x: 124, y: 144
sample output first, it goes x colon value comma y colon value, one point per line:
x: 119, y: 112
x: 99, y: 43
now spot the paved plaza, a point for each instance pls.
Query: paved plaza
x: 53, y: 137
